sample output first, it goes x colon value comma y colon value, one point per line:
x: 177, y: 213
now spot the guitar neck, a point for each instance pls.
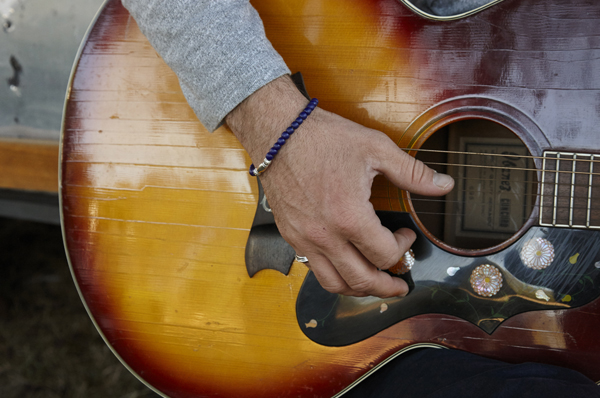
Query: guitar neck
x: 569, y: 190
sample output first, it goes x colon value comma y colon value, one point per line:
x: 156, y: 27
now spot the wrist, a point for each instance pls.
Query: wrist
x: 285, y: 135
x: 259, y: 120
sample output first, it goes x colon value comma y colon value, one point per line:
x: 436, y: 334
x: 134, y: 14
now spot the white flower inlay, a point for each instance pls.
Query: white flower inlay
x: 537, y: 253
x: 486, y: 280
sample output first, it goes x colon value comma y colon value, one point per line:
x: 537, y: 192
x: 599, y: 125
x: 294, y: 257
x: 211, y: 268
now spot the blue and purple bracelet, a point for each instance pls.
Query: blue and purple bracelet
x: 255, y: 171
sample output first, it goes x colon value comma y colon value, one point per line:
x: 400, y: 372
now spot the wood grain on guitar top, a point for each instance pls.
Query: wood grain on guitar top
x: 156, y: 211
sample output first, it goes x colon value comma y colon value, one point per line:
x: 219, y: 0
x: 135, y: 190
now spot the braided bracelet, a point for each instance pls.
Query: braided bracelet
x: 254, y: 171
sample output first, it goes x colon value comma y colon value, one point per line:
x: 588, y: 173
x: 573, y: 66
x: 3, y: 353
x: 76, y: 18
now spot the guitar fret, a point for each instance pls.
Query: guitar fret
x: 542, y: 190
x: 567, y: 202
x: 572, y: 190
x: 556, y: 185
x: 589, y: 206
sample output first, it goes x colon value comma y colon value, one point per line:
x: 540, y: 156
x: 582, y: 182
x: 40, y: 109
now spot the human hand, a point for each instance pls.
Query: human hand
x: 319, y: 187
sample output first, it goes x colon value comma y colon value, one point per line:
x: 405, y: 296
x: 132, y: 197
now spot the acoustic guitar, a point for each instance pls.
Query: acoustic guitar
x: 181, y: 267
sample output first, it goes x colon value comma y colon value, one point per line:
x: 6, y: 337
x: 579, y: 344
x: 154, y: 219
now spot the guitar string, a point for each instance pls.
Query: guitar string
x: 529, y: 182
x: 561, y: 160
x: 575, y: 219
x: 560, y: 206
x: 512, y: 168
x: 557, y: 174
x: 506, y: 155
x: 562, y: 194
x: 533, y: 207
x: 562, y: 197
x: 550, y: 197
x: 548, y: 207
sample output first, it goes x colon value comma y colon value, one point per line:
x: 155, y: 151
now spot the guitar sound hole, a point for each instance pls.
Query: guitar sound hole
x: 495, y: 185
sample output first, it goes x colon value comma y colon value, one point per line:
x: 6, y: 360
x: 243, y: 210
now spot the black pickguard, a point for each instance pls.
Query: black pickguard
x: 572, y: 280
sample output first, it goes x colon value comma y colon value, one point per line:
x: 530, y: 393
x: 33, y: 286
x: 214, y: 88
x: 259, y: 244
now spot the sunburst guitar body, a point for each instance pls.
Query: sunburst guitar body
x: 158, y: 213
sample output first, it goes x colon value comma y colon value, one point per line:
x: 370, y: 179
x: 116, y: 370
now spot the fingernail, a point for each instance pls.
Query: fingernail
x: 442, y: 180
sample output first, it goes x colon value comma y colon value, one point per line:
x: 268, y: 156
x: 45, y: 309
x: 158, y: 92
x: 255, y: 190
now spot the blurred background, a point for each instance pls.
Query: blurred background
x: 48, y: 344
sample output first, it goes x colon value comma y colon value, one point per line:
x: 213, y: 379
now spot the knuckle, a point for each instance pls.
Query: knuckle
x: 348, y: 222
x: 317, y: 234
x: 305, y: 233
x: 363, y: 285
x: 335, y: 288
x: 389, y: 261
x: 419, y: 172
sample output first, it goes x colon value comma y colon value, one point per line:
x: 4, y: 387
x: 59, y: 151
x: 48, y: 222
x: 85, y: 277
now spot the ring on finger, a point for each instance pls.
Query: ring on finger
x: 301, y: 259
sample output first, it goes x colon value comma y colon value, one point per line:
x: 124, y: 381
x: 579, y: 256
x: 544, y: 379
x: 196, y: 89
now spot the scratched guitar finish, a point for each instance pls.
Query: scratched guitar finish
x: 156, y: 211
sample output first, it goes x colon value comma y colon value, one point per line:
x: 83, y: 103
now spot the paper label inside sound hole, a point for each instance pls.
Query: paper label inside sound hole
x: 494, y: 193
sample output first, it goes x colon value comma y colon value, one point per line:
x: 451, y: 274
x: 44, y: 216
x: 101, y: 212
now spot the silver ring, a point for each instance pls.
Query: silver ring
x: 301, y: 259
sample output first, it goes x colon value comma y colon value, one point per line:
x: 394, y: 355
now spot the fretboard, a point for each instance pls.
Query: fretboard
x: 570, y: 190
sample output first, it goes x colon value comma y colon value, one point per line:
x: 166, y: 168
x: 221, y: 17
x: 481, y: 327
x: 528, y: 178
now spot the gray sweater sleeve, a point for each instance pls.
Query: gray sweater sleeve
x: 217, y: 48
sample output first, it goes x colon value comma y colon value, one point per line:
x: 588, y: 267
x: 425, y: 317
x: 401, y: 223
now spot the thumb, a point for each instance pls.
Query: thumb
x: 412, y: 175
